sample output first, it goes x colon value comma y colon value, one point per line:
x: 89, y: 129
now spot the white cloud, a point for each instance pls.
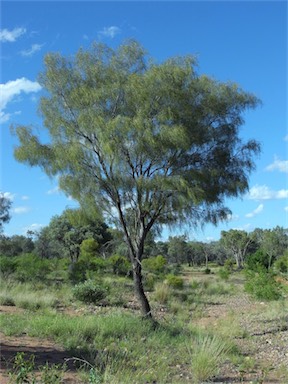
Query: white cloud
x: 286, y: 138
x: 20, y: 210
x: 24, y: 197
x: 33, y: 227
x: 11, y: 36
x: 256, y: 211
x: 9, y: 195
x: 279, y: 165
x: 286, y: 208
x: 232, y: 217
x: 53, y: 191
x: 29, y: 52
x: 262, y: 192
x: 110, y: 31
x: 13, y: 88
x: 245, y: 227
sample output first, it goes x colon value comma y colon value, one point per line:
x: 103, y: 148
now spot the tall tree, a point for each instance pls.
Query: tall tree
x: 150, y: 143
x: 5, y: 205
x: 274, y: 243
x: 236, y: 243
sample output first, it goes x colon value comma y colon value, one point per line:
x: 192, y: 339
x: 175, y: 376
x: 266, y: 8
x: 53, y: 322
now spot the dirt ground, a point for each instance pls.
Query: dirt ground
x: 265, y: 343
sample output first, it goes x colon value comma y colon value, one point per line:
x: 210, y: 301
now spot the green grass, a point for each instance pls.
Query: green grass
x: 207, y: 354
x: 118, y: 344
x: 31, y: 296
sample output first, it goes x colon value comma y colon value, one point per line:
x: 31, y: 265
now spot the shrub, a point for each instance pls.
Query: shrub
x: 77, y: 272
x: 23, y: 371
x: 99, y: 264
x: 207, y: 271
x: 120, y: 265
x: 257, y: 261
x: 281, y: 264
x: 30, y: 267
x: 7, y: 265
x: 229, y: 265
x: 88, y: 249
x: 175, y: 281
x: 89, y: 292
x: 224, y: 274
x: 149, y: 280
x: 155, y: 264
x: 262, y: 286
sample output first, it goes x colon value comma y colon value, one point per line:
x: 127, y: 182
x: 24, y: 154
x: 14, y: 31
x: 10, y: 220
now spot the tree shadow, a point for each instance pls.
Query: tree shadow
x: 42, y: 355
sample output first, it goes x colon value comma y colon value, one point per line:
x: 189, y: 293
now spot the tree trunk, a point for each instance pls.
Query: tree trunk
x: 139, y: 290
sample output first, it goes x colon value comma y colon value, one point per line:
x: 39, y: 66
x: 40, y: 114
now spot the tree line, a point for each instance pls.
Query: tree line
x: 71, y: 235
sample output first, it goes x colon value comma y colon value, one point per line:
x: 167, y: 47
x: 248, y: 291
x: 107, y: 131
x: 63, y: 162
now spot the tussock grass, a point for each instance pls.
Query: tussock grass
x: 162, y: 292
x: 28, y: 296
x: 207, y: 354
x: 122, y: 347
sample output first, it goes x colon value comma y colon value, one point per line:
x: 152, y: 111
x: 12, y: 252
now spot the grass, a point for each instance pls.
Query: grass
x: 28, y: 296
x: 116, y: 346
x: 207, y: 354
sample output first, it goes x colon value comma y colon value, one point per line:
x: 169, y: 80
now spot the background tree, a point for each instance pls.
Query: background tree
x: 177, y: 249
x: 236, y: 243
x: 146, y: 143
x: 66, y: 232
x: 5, y: 205
x: 274, y: 243
x: 15, y: 245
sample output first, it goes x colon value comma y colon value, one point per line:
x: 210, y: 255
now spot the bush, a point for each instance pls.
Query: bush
x: 149, y: 280
x: 224, y: 274
x: 257, y: 261
x: 89, y: 292
x: 281, y: 264
x: 77, y: 272
x: 207, y: 271
x: 7, y: 265
x: 30, y: 267
x: 88, y: 249
x: 175, y: 281
x: 120, y: 265
x: 229, y: 265
x: 262, y: 286
x: 99, y: 264
x: 155, y: 264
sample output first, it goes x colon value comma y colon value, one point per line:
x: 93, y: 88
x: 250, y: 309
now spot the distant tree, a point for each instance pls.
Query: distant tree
x: 195, y: 251
x: 149, y: 144
x: 236, y: 242
x: 15, y: 245
x: 274, y: 243
x: 5, y: 205
x: 66, y: 232
x: 177, y: 249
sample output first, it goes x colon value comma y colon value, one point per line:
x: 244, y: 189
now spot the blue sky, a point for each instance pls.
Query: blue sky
x: 245, y: 42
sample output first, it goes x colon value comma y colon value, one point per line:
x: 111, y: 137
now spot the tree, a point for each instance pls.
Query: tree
x: 66, y: 232
x: 177, y: 249
x: 149, y: 144
x: 236, y: 242
x: 15, y: 245
x: 274, y: 243
x: 5, y: 205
